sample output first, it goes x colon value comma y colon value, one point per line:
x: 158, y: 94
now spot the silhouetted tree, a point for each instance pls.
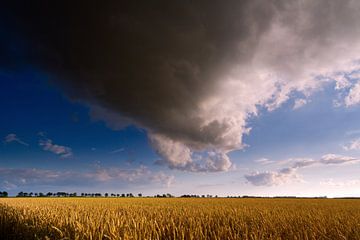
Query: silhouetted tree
x: 4, y: 194
x: 20, y: 194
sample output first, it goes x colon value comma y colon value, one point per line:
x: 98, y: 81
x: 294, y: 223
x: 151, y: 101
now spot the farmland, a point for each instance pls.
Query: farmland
x: 178, y: 218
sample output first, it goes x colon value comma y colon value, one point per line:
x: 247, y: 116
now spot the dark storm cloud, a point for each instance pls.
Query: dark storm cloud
x: 151, y: 61
x: 169, y: 66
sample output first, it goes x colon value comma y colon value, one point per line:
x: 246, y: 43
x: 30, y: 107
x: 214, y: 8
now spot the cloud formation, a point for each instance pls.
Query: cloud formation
x: 190, y: 73
x: 12, y: 178
x: 289, y: 174
x: 264, y: 161
x: 62, y: 151
x: 331, y: 182
x: 337, y: 159
x: 299, y: 103
x: 353, y: 98
x: 271, y: 178
x: 12, y: 137
x: 353, y: 145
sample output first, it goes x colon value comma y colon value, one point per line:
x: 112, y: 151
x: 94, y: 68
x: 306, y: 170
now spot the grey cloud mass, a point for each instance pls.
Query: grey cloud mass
x: 189, y: 72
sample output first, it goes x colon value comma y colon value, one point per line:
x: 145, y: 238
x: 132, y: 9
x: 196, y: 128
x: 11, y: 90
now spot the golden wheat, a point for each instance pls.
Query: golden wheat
x: 154, y: 218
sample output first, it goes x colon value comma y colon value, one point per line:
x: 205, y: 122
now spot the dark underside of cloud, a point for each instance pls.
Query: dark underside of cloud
x: 189, y: 72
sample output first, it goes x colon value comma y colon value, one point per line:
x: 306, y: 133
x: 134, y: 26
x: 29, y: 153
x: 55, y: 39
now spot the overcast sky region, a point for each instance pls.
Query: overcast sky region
x: 183, y: 97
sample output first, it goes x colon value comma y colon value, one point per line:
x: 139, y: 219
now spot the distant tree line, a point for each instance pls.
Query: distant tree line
x: 65, y: 194
x: 131, y: 195
x: 4, y: 194
x: 198, y: 196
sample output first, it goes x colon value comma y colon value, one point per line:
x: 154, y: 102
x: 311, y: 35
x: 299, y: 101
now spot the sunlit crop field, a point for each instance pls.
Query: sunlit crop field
x: 174, y: 218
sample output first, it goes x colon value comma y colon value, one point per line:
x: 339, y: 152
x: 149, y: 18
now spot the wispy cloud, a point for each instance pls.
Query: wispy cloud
x: 333, y: 183
x: 163, y: 178
x: 118, y: 150
x: 352, y: 132
x: 12, y: 137
x: 337, y: 159
x: 353, y: 145
x: 11, y: 178
x: 289, y: 174
x: 264, y: 161
x: 62, y: 151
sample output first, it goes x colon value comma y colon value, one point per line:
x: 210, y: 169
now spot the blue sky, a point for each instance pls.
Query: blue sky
x: 222, y: 99
x: 34, y: 109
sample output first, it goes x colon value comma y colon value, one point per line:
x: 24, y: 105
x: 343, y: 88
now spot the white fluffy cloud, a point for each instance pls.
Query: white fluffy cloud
x: 353, y: 98
x: 289, y: 174
x: 62, y: 151
x: 353, y: 145
x: 178, y: 156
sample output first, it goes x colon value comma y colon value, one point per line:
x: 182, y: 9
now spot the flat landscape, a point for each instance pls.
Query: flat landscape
x: 179, y: 218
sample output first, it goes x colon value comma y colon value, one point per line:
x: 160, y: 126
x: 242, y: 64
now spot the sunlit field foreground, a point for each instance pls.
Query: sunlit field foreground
x: 154, y: 218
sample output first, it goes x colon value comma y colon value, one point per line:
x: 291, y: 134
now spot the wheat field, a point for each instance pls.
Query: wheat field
x: 178, y: 218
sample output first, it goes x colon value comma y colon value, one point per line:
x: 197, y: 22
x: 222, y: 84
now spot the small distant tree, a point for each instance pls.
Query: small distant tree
x: 20, y: 194
x: 106, y: 194
x: 139, y: 195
